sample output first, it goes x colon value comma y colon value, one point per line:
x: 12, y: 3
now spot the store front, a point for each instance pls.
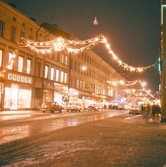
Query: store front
x: 59, y: 92
x: 54, y: 92
x: 17, y: 92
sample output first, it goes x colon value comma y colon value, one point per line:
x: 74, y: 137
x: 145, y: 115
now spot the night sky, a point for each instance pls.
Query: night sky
x: 132, y: 28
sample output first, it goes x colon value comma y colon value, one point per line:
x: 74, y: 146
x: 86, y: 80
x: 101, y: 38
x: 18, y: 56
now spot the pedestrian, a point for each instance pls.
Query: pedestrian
x: 158, y: 111
x: 147, y: 111
x: 153, y: 111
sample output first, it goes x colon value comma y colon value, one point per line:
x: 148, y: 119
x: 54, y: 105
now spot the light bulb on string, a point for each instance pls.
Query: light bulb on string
x: 95, y: 22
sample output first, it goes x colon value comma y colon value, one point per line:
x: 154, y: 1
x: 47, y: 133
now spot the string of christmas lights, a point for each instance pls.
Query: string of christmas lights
x: 126, y: 83
x: 60, y: 44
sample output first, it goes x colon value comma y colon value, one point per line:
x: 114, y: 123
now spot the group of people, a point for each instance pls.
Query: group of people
x: 155, y: 110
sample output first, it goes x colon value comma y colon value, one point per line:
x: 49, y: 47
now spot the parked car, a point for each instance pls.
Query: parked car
x: 73, y: 107
x: 50, y: 106
x: 135, y: 109
x: 93, y: 107
x: 121, y: 106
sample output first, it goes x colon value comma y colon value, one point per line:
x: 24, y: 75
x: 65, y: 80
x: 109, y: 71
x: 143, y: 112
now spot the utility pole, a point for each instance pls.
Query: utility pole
x: 162, y: 55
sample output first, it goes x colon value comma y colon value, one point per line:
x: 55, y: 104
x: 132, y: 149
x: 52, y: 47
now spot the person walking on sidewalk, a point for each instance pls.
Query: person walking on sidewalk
x: 156, y: 110
x: 147, y: 111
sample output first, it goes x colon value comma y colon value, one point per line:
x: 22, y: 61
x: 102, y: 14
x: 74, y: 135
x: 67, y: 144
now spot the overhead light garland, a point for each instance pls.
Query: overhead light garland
x: 126, y: 83
x: 61, y: 44
x: 11, y: 61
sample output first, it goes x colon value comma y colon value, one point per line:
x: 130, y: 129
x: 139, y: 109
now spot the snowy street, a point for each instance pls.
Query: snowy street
x: 107, y: 138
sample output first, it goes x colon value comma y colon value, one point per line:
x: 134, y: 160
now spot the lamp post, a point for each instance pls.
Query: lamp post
x: 162, y: 55
x: 2, y: 81
x: 83, y: 68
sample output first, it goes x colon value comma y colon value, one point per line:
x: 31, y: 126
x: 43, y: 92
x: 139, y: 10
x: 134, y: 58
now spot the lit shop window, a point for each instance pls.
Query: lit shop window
x: 46, y: 72
x: 52, y: 73
x: 29, y: 66
x: 10, y: 66
x: 20, y: 64
x: 17, y: 98
x: 57, y: 75
x: 0, y: 58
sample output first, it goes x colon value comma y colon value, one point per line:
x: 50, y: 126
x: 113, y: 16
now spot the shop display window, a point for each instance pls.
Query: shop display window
x: 17, y: 98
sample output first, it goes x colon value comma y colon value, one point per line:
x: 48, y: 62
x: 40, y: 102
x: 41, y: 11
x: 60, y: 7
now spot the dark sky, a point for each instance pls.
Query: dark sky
x: 130, y: 26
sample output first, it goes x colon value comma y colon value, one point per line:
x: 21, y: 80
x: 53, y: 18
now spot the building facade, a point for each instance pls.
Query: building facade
x: 29, y: 78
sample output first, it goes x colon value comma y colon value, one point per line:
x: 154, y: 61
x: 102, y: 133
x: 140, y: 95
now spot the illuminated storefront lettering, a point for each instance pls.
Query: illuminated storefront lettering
x: 19, y: 78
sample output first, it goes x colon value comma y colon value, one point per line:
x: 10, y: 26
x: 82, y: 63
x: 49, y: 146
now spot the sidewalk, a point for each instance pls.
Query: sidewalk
x: 18, y: 112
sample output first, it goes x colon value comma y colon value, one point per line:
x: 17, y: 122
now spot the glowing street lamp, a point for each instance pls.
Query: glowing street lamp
x: 83, y: 68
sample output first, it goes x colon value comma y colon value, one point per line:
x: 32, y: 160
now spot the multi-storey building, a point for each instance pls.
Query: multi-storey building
x: 30, y: 77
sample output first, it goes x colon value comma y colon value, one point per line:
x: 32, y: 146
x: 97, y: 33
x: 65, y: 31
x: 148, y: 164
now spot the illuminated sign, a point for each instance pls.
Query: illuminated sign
x: 19, y: 78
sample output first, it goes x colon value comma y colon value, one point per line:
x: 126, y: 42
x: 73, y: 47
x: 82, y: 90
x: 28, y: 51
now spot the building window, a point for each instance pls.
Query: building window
x: 20, y: 64
x: 14, y: 19
x: 52, y: 73
x: 80, y: 84
x: 57, y: 75
x: 83, y: 84
x: 75, y: 66
x: 62, y: 76
x: 79, y: 67
x: 58, y: 57
x: 62, y: 58
x: 22, y: 34
x: 13, y: 34
x: 0, y: 58
x: 10, y: 66
x: 38, y: 68
x: 30, y: 37
x: 66, y: 60
x: 46, y: 72
x: 77, y: 84
x: 65, y: 77
x: 29, y: 66
x: 71, y: 64
x: 2, y: 28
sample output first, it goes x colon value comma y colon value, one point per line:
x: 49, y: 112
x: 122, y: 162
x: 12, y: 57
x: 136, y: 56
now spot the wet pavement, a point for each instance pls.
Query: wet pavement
x: 16, y: 125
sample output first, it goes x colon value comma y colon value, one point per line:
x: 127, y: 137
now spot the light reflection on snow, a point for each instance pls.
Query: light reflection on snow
x: 14, y: 117
x: 13, y: 133
x: 10, y: 133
